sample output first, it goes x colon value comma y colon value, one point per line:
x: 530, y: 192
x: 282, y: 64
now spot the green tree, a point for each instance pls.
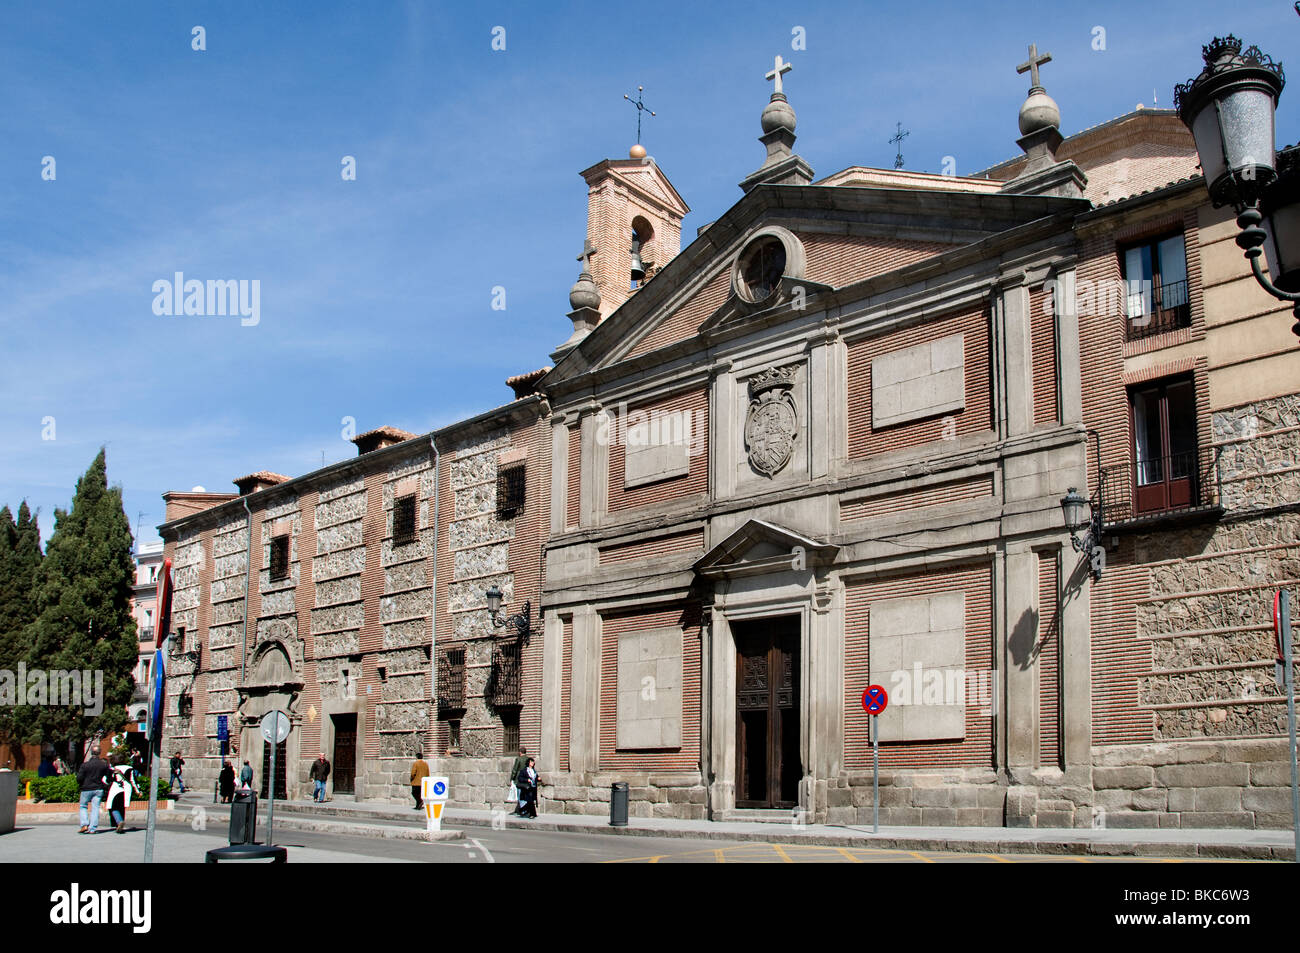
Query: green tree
x: 83, y: 603
x: 20, y: 559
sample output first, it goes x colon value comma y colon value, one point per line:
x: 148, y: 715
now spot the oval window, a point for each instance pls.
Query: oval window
x: 761, y: 268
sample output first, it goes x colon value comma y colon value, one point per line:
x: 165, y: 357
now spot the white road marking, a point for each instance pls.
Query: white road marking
x: 487, y: 854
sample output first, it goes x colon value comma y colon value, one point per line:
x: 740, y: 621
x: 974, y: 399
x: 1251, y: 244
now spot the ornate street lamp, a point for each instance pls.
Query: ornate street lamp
x: 1072, y: 505
x: 520, y: 622
x: 1230, y: 109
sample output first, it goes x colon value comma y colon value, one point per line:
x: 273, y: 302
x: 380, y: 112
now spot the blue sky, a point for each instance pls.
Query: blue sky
x: 376, y: 293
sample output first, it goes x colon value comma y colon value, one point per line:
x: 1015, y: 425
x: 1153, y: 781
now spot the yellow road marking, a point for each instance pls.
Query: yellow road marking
x: 846, y: 853
x: 920, y: 857
x: 717, y: 855
x: 780, y: 852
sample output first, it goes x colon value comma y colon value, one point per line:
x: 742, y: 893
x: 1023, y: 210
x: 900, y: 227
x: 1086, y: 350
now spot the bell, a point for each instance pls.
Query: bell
x: 638, y: 269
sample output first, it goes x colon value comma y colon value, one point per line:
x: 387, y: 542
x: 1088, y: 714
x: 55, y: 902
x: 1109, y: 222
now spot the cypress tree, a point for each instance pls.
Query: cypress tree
x: 20, y: 558
x: 83, y: 604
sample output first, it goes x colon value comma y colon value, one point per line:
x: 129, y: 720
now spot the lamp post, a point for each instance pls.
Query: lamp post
x: 1229, y: 108
x: 1072, y: 505
x: 521, y: 622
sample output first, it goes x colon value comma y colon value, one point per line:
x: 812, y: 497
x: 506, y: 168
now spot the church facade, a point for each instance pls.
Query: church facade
x: 824, y: 446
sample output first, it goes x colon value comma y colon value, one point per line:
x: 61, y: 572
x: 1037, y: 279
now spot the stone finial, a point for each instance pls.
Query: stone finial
x: 1040, y: 137
x: 782, y: 166
x: 584, y: 299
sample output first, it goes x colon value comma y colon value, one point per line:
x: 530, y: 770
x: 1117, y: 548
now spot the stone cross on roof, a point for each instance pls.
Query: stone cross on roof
x: 588, y: 249
x: 1031, y: 65
x: 777, y: 70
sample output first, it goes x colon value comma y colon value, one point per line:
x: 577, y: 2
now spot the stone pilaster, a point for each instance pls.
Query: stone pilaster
x: 1021, y: 594
x: 1018, y: 366
x: 584, y: 692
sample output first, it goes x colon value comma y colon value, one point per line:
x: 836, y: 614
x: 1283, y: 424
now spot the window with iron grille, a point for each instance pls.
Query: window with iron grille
x: 451, y: 680
x: 510, y: 732
x: 404, y: 520
x: 279, y: 557
x: 503, y: 688
x: 510, y: 491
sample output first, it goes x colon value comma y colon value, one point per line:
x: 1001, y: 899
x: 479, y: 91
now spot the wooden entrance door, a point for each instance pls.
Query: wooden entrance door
x: 767, y: 714
x: 281, y: 769
x: 345, y: 754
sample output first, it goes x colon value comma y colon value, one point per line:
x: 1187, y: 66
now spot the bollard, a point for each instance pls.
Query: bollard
x: 618, y: 804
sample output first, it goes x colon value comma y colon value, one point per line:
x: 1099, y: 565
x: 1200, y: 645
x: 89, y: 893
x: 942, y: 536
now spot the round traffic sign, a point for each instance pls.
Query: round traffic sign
x: 874, y: 700
x: 439, y: 788
x: 275, y: 727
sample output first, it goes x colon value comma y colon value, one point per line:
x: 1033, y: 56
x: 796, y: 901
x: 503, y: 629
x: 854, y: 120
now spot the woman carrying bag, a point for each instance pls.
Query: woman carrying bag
x: 527, y: 781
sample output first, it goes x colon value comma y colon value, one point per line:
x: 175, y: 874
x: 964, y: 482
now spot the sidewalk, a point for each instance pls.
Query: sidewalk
x: 382, y: 819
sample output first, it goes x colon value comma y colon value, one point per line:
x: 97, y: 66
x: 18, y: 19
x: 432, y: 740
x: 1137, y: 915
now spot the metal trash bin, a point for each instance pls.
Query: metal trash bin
x: 243, y: 818
x: 618, y: 804
x: 8, y: 799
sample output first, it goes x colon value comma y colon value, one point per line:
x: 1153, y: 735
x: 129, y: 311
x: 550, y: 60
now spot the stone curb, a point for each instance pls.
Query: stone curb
x: 298, y: 817
x: 292, y: 823
x: 948, y: 844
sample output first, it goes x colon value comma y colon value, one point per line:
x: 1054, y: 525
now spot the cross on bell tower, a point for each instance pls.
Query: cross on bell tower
x: 638, y: 151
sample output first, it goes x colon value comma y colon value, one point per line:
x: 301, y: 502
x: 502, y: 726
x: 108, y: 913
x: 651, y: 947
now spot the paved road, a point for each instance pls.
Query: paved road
x: 178, y: 843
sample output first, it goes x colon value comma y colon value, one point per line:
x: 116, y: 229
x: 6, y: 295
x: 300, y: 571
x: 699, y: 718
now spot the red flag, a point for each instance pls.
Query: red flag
x: 164, y: 604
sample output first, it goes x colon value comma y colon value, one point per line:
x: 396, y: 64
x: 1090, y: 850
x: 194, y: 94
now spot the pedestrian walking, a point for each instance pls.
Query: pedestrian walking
x: 520, y: 761
x: 92, y: 780
x: 178, y: 773
x: 419, y: 771
x: 246, y: 776
x: 226, y: 781
x: 320, y: 772
x: 527, y: 781
x: 119, y: 794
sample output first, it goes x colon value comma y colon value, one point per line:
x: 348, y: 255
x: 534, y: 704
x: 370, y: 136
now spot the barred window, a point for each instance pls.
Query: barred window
x: 279, y: 557
x: 404, y: 520
x: 451, y: 680
x: 510, y: 491
x: 510, y: 732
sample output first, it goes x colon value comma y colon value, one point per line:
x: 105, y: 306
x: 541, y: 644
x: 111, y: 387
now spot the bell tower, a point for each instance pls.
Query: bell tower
x: 634, y: 223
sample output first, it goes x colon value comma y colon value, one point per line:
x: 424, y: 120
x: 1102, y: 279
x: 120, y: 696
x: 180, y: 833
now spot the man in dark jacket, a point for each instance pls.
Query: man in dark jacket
x: 93, y: 780
x: 178, y: 773
x: 320, y: 772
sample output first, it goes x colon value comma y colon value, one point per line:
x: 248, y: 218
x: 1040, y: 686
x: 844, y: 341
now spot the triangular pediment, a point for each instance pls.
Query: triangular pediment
x: 852, y: 237
x: 758, y: 546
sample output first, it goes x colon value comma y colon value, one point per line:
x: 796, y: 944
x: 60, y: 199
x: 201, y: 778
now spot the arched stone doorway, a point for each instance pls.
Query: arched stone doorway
x: 273, y: 683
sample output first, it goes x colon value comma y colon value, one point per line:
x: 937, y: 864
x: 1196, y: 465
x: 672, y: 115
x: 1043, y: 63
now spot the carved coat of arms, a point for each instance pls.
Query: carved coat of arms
x: 772, y: 421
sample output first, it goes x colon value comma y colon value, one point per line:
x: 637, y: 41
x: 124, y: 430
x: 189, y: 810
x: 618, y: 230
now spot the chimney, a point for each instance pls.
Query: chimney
x: 379, y: 438
x: 260, y: 480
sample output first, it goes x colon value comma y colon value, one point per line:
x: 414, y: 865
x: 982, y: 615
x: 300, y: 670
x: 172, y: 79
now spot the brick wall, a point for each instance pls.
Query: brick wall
x: 976, y: 417
x: 696, y: 404
x: 976, y: 749
x: 612, y: 626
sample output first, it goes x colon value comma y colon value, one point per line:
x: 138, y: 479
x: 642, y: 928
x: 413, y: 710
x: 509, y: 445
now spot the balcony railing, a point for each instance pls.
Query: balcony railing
x: 146, y: 635
x: 504, y: 688
x: 1159, y: 486
x: 1166, y: 308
